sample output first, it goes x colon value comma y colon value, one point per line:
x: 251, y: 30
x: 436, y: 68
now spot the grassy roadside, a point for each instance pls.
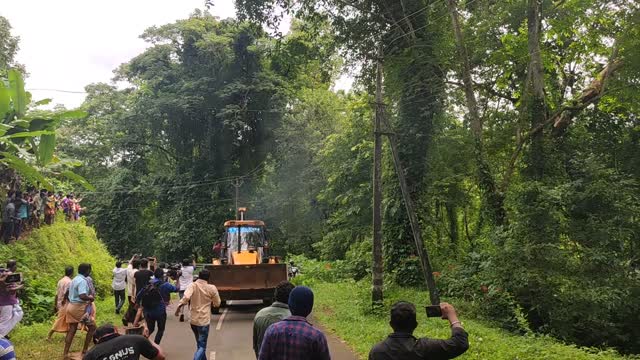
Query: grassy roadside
x: 42, y: 257
x: 341, y: 307
x: 30, y: 341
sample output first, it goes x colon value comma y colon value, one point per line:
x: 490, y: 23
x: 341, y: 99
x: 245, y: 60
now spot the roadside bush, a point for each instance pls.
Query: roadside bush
x: 474, y: 282
x: 409, y: 272
x: 358, y: 260
x: 327, y: 271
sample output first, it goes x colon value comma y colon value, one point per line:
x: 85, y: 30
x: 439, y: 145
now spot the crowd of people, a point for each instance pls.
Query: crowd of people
x: 25, y: 210
x: 281, y: 331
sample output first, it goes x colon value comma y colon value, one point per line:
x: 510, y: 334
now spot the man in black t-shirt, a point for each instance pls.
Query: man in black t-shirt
x: 142, y: 276
x: 402, y: 345
x: 111, y: 345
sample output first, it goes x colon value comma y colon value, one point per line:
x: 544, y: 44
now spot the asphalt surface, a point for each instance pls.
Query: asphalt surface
x: 230, y: 335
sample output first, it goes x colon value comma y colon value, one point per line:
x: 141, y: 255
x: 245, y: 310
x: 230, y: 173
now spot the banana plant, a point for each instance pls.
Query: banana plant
x: 28, y: 139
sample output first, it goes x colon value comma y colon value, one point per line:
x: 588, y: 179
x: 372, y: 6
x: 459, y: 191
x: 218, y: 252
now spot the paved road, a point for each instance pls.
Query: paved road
x: 230, y: 336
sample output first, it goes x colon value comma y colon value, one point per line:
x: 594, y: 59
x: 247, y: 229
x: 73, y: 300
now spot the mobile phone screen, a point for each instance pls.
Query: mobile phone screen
x: 13, y: 278
x: 434, y: 311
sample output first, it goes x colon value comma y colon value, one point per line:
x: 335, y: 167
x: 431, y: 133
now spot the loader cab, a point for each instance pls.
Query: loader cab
x: 245, y: 241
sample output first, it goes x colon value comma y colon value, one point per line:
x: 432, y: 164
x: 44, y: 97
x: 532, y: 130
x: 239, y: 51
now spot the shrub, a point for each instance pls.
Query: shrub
x: 358, y: 260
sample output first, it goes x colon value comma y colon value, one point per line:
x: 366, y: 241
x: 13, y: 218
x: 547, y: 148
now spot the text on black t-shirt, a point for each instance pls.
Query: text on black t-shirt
x: 124, y: 347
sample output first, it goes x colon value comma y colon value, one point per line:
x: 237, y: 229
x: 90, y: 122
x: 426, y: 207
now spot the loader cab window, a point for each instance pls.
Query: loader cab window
x: 251, y: 237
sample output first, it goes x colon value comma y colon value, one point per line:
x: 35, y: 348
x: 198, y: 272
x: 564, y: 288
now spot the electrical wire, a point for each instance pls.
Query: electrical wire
x: 136, y: 209
x: 431, y: 22
x: 58, y: 90
x: 255, y: 172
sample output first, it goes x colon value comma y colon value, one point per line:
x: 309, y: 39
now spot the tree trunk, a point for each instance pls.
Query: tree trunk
x: 534, y: 98
x: 493, y: 197
x: 452, y: 216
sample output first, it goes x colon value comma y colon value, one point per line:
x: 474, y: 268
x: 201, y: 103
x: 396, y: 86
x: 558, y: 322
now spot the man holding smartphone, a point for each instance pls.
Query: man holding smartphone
x: 403, y: 345
x: 10, y: 310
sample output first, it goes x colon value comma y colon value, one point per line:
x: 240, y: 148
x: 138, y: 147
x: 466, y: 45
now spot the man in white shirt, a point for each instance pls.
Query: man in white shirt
x: 185, y: 279
x: 132, y: 268
x: 118, y: 284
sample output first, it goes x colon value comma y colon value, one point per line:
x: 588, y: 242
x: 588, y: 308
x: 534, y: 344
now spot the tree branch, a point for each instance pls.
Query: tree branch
x: 170, y: 156
x: 562, y: 118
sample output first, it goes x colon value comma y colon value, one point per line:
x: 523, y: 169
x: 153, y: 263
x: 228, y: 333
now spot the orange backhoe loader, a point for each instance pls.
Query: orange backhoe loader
x: 245, y: 270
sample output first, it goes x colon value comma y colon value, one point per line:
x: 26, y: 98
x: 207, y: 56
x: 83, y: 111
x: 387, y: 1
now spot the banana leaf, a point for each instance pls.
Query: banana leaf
x: 45, y: 148
x: 30, y: 134
x: 18, y: 95
x: 29, y: 172
x: 5, y: 101
x: 78, y: 179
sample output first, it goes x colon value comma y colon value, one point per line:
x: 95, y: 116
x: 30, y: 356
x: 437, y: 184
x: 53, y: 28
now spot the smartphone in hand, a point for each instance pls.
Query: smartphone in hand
x: 13, y: 278
x: 434, y: 311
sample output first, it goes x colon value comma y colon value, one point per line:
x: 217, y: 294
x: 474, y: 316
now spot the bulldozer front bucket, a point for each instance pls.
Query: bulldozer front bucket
x: 247, y: 282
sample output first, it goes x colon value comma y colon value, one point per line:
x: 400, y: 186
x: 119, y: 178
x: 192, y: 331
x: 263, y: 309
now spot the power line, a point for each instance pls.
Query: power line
x: 166, y: 187
x: 59, y: 90
x: 134, y: 209
x: 431, y: 22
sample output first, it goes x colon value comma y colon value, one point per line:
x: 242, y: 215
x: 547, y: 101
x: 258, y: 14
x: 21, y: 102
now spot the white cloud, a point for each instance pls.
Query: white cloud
x: 67, y: 44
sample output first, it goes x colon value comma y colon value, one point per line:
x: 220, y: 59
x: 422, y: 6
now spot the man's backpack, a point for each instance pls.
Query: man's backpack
x: 151, y: 296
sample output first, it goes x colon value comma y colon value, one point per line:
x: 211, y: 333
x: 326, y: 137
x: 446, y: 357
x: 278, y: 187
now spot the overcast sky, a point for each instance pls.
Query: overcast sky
x: 67, y: 44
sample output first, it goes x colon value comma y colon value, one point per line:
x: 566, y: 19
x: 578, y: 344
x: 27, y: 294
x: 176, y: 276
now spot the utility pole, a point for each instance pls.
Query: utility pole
x: 237, y: 183
x: 377, y: 271
x: 425, y: 263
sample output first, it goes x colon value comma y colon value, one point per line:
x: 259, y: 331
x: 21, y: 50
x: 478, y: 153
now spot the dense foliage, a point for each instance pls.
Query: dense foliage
x: 343, y: 306
x: 516, y: 120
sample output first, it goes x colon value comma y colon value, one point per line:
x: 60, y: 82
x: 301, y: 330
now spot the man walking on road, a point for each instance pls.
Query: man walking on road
x: 270, y: 315
x: 152, y: 302
x: 402, y: 345
x: 142, y: 276
x: 185, y: 279
x: 294, y: 338
x: 202, y: 296
x: 132, y: 268
x: 118, y: 285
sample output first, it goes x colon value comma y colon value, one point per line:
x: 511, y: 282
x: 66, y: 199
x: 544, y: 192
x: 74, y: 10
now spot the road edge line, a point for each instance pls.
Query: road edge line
x: 221, y: 319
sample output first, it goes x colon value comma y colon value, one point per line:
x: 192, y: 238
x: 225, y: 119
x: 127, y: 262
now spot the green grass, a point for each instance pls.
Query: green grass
x: 30, y: 341
x: 42, y: 257
x: 342, y: 309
